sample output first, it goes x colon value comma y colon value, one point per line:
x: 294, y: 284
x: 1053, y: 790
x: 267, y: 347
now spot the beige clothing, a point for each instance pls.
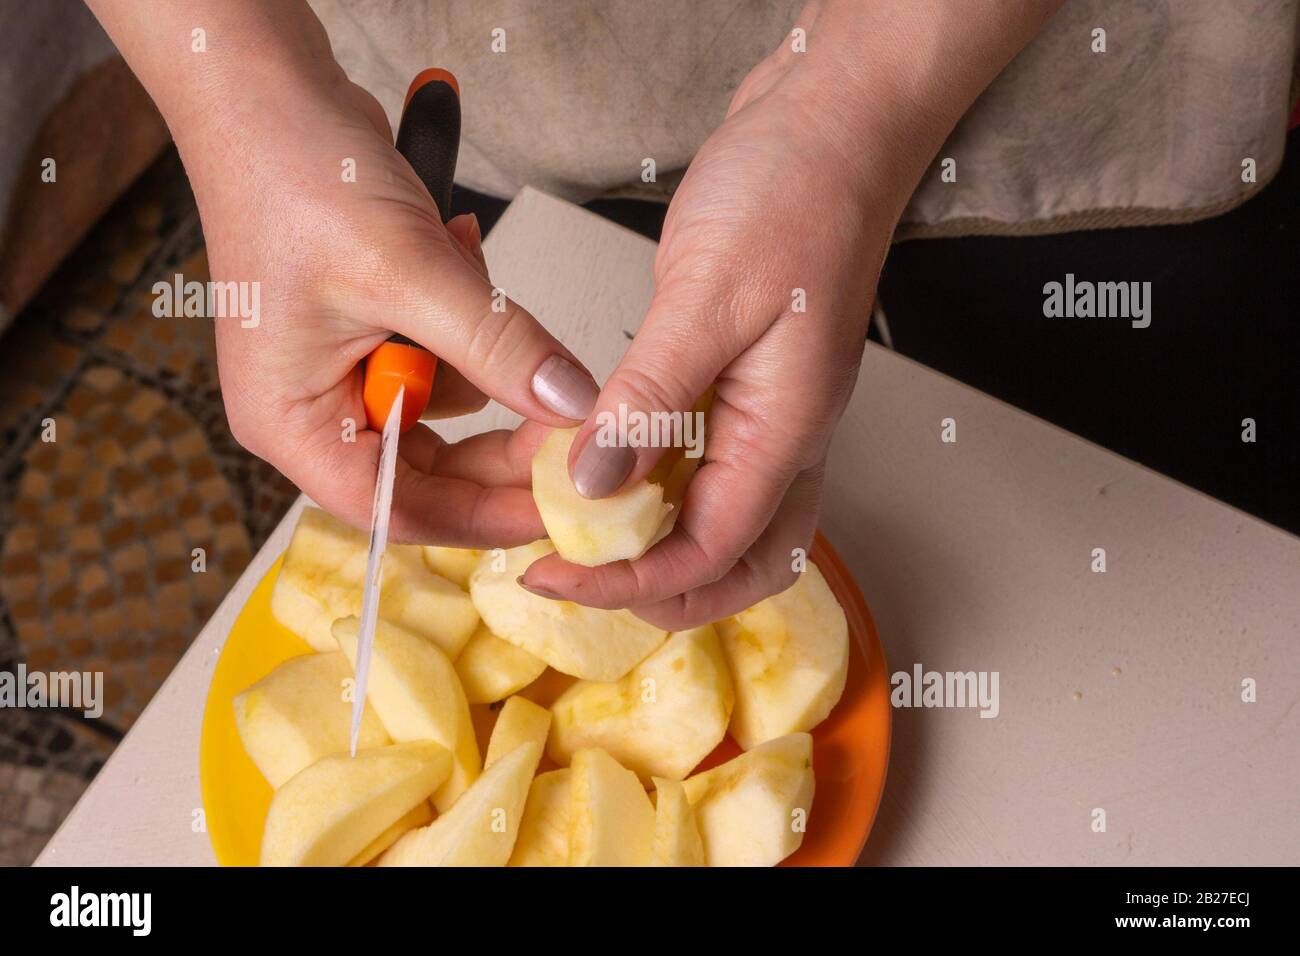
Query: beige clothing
x: 1153, y: 130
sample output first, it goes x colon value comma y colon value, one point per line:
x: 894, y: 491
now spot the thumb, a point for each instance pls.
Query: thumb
x: 669, y: 365
x: 449, y: 306
x: 465, y: 229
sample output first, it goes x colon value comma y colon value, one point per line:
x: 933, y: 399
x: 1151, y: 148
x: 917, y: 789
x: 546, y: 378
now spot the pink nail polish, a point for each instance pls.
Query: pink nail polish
x: 600, y: 470
x: 564, y: 388
x: 539, y: 591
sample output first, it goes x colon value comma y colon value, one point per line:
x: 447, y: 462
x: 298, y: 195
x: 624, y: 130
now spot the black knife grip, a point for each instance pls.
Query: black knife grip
x: 429, y: 134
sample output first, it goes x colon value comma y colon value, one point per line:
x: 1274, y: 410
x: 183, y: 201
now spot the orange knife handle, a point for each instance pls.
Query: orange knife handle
x: 395, y: 364
x: 429, y: 138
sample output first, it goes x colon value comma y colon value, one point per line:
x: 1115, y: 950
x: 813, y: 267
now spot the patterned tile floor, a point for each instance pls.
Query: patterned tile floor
x: 98, y: 526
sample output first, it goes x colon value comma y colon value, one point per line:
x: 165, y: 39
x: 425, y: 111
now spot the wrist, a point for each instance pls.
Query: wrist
x: 216, y: 68
x: 888, y: 80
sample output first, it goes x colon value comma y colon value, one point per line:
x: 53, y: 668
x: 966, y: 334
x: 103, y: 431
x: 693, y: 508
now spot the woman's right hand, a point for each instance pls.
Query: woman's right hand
x: 341, y: 264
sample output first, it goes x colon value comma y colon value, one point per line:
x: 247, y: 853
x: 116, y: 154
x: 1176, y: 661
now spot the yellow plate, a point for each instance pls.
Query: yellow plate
x: 850, y: 747
x: 236, y: 796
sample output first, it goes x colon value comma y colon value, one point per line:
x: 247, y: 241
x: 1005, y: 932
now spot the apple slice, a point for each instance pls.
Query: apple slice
x: 331, y: 811
x: 592, y: 531
x: 414, y: 690
x: 415, y: 598
x: 321, y: 581
x: 454, y: 564
x: 491, y: 669
x: 585, y: 642
x: 298, y: 713
x: 611, y: 821
x: 546, y: 690
x: 789, y: 657
x: 325, y: 560
x: 520, y: 722
x: 661, y: 719
x: 484, y: 718
x: 543, y: 838
x: 480, y: 829
x: 677, y: 839
x: 752, y: 810
x: 419, y: 815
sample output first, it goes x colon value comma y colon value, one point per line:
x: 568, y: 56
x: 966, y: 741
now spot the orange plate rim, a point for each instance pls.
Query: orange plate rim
x: 856, y: 735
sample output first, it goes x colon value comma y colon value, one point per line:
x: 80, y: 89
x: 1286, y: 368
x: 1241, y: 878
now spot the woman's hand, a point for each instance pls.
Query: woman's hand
x: 267, y: 126
x: 340, y: 265
x: 764, y: 281
x: 765, y: 276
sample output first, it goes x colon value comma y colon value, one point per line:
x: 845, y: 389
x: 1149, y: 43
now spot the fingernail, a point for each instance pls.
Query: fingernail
x: 600, y: 470
x: 477, y: 231
x: 540, y: 592
x: 564, y: 388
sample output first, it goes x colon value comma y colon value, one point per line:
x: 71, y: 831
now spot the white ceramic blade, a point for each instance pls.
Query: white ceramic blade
x: 379, y: 515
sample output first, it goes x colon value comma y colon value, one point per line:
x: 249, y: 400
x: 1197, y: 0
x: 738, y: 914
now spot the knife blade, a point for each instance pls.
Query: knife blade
x: 379, y: 516
x: 400, y: 372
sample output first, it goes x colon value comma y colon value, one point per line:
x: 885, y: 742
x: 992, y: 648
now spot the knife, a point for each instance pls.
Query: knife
x: 399, y: 374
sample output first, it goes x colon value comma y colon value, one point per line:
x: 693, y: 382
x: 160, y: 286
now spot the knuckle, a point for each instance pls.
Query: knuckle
x: 497, y: 337
x: 653, y: 388
x: 476, y: 517
x: 702, y: 564
x: 776, y: 576
x: 610, y: 595
x: 679, y: 613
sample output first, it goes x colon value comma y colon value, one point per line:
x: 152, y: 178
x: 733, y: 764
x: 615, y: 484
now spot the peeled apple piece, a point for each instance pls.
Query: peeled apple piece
x: 677, y: 839
x: 414, y: 690
x: 661, y: 719
x: 611, y: 821
x: 789, y: 658
x: 331, y: 812
x: 454, y: 564
x: 297, y: 714
x: 420, y: 815
x: 491, y: 669
x: 593, y: 531
x: 752, y: 810
x: 543, y: 838
x: 520, y: 722
x: 321, y: 581
x: 480, y: 830
x: 584, y: 642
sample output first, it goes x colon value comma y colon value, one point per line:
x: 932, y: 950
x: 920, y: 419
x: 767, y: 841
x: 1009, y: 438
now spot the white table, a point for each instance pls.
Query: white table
x: 1119, y: 691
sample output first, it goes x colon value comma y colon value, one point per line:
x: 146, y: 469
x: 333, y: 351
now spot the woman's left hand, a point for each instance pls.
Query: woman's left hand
x: 764, y: 282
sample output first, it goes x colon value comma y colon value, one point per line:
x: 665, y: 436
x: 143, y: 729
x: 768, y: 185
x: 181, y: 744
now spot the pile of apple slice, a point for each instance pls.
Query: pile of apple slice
x: 502, y: 728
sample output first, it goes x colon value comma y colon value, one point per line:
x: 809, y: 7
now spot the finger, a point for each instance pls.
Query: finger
x: 500, y: 457
x: 671, y: 362
x: 470, y: 236
x: 420, y: 448
x: 767, y: 568
x: 727, y: 505
x: 452, y: 394
x: 340, y: 477
x: 450, y: 308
